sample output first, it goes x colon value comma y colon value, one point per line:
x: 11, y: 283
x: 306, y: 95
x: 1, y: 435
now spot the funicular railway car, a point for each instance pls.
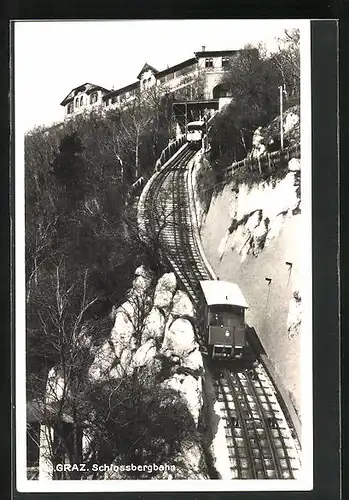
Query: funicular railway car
x: 223, y: 308
x: 194, y: 133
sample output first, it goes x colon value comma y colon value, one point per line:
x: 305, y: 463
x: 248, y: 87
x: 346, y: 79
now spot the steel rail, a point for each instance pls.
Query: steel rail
x: 273, y: 421
x: 184, y: 257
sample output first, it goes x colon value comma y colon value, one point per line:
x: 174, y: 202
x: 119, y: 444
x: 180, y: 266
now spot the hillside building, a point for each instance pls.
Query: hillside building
x: 205, y: 70
x: 83, y: 98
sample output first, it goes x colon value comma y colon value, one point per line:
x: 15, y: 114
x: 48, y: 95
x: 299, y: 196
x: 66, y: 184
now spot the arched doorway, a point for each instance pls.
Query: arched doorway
x: 221, y: 90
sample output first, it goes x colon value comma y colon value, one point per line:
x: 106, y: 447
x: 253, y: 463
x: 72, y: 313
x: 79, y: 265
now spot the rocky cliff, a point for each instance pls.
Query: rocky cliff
x: 252, y: 235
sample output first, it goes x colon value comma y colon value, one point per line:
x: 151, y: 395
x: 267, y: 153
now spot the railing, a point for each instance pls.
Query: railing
x: 169, y: 151
x: 165, y: 155
x: 267, y: 162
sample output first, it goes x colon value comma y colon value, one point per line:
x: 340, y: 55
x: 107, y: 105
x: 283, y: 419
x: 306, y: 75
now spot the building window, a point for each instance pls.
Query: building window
x: 209, y: 62
x: 81, y: 101
x: 69, y: 108
x: 93, y: 97
x: 113, y: 100
x: 77, y: 102
x: 225, y: 62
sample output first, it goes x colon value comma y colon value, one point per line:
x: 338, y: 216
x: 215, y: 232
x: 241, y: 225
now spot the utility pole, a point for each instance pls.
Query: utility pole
x: 281, y: 117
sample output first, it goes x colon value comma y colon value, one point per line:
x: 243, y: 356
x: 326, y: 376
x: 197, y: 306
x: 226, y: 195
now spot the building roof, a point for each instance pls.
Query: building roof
x: 218, y: 292
x: 215, y: 53
x: 176, y: 67
x: 147, y: 67
x: 122, y: 90
x: 86, y: 87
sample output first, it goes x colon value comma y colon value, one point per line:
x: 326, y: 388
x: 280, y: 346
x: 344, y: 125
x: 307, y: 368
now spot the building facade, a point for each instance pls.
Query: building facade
x: 206, y: 68
x: 83, y: 98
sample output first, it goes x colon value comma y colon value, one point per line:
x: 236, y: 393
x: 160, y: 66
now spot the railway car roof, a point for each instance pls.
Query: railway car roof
x: 222, y: 292
x: 196, y: 124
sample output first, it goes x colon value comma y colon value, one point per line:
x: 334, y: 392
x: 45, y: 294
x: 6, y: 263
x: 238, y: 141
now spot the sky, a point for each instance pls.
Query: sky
x: 53, y: 57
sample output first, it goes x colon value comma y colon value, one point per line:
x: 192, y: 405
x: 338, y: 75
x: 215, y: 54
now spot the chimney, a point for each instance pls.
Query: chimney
x: 203, y: 48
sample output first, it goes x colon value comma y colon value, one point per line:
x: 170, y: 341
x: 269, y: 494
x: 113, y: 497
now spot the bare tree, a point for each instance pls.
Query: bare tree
x: 60, y: 307
x: 150, y: 239
x: 134, y: 120
x: 287, y: 61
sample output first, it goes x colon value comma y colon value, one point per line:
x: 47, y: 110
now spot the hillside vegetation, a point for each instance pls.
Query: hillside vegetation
x: 253, y: 82
x: 81, y: 248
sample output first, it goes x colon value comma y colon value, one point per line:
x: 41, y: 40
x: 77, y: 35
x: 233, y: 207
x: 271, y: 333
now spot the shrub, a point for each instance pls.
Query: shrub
x: 138, y: 420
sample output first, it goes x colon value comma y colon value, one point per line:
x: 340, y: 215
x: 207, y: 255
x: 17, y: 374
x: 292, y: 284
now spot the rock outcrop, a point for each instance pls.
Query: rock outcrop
x: 258, y: 214
x: 154, y: 327
x: 267, y: 139
x: 164, y: 292
x: 190, y: 388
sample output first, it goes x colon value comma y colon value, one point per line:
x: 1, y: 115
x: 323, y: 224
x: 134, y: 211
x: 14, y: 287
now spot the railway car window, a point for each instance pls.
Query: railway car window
x: 232, y: 317
x: 216, y: 319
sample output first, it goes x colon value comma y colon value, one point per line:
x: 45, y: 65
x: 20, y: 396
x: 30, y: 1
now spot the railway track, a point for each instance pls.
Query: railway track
x: 259, y: 439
